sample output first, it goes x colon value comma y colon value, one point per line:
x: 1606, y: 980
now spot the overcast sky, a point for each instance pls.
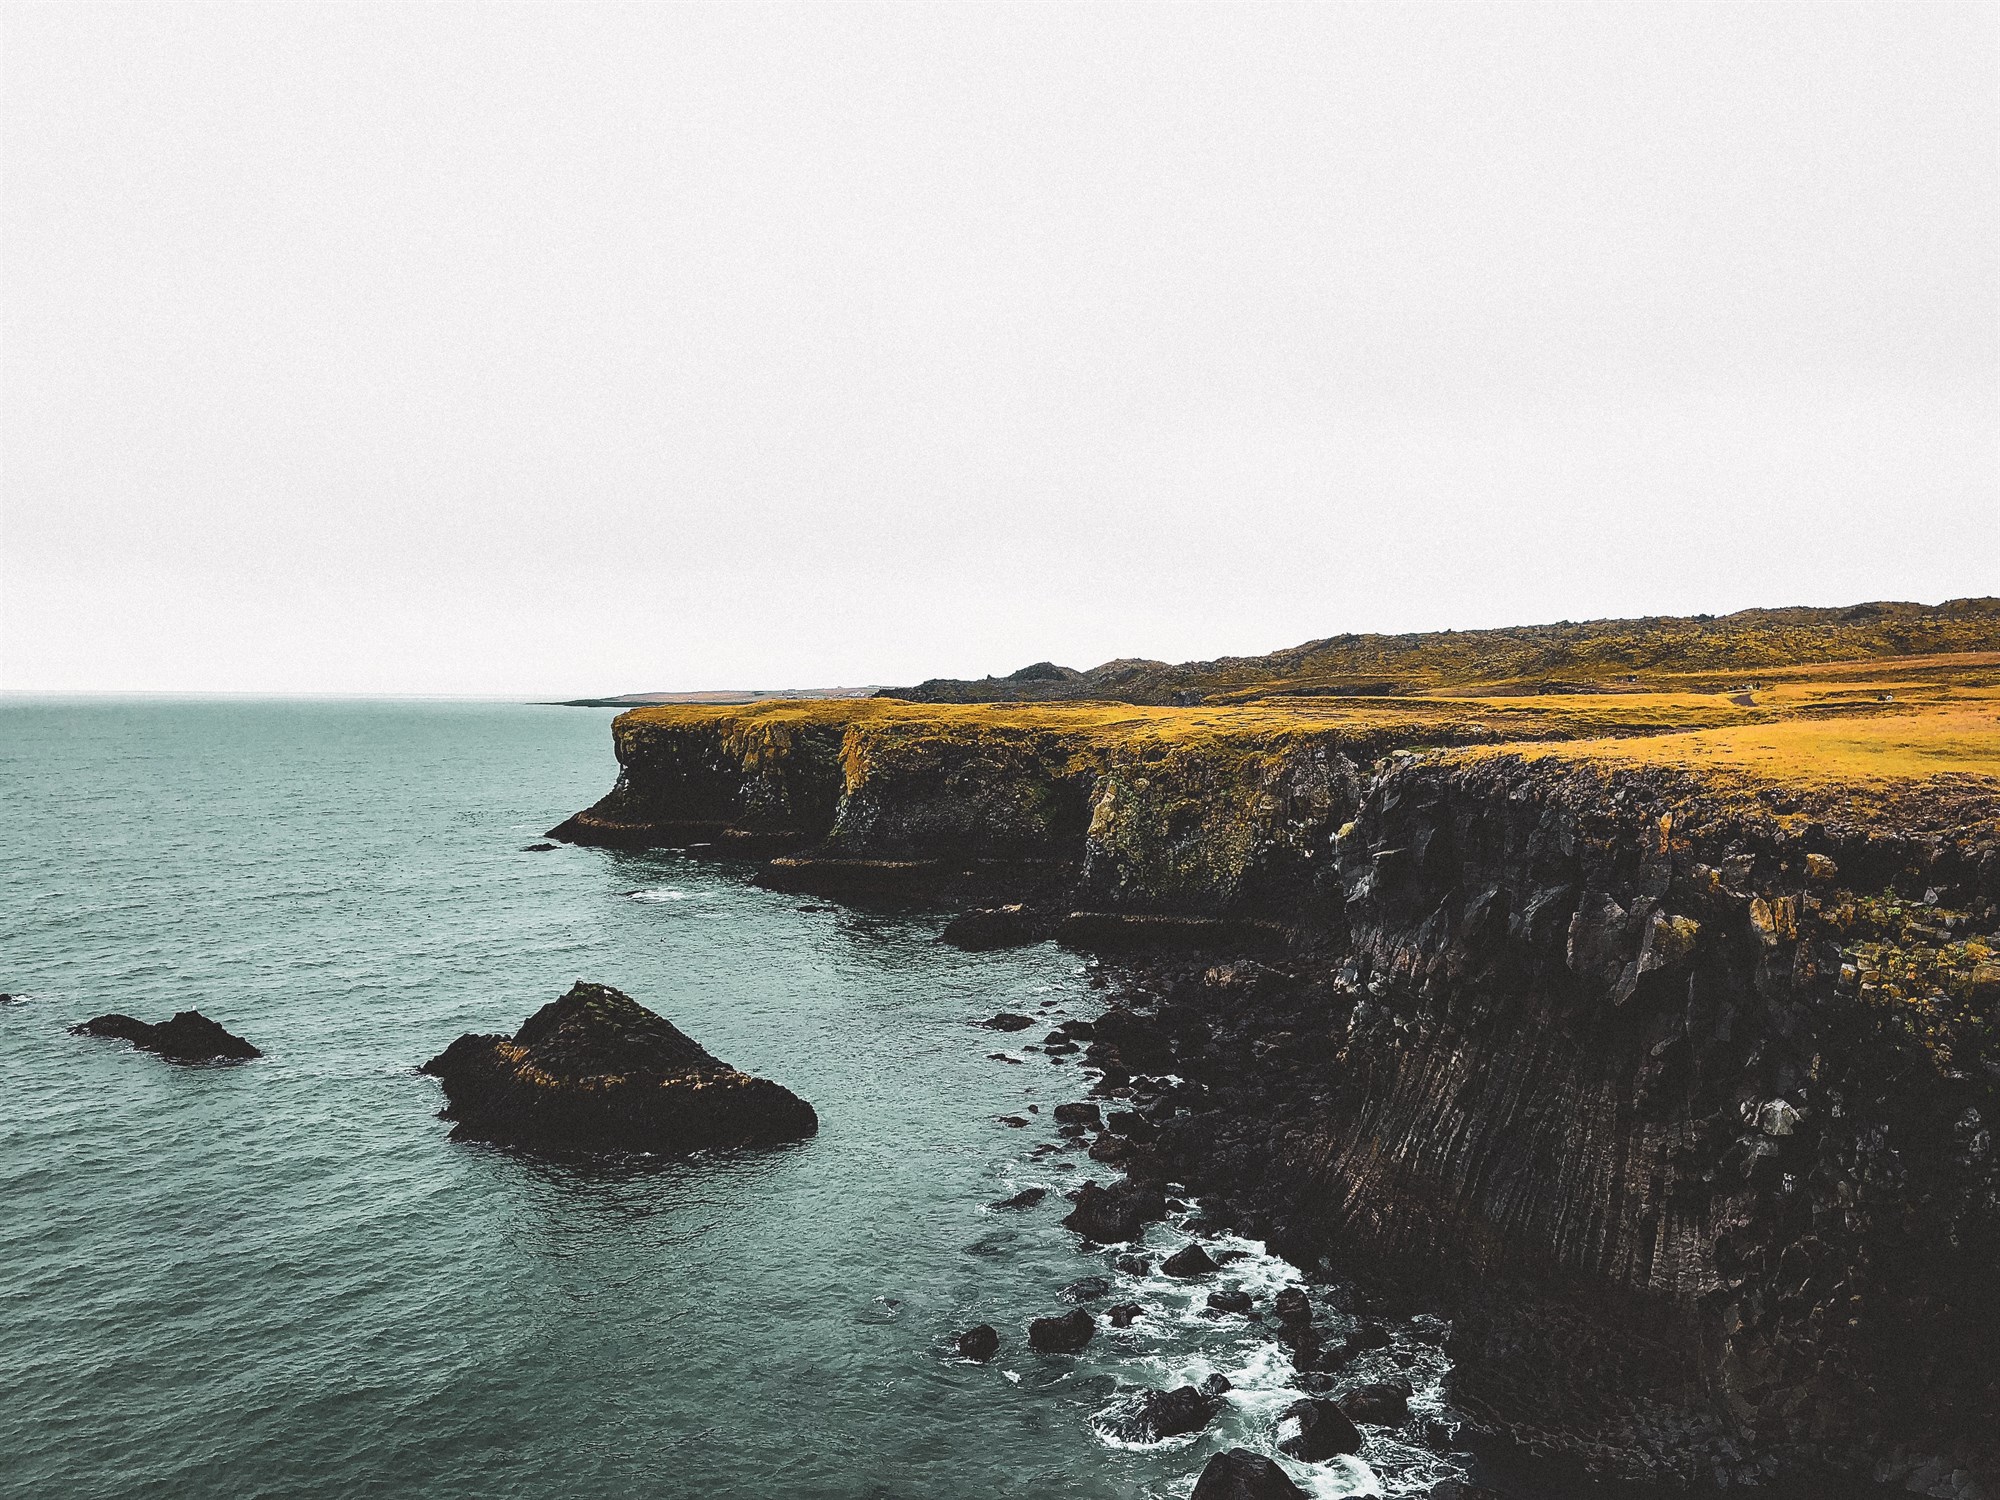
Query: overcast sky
x: 568, y: 348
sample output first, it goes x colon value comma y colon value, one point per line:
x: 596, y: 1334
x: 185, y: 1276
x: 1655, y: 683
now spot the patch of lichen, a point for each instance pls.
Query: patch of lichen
x: 1942, y: 990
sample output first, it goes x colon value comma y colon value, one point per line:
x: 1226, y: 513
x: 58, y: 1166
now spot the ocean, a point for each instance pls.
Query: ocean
x: 281, y: 1278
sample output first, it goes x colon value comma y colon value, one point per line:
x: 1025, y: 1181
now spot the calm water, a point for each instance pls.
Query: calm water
x: 282, y: 1279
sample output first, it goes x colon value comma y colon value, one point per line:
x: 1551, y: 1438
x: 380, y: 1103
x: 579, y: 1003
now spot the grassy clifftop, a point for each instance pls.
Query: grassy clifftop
x: 1699, y: 652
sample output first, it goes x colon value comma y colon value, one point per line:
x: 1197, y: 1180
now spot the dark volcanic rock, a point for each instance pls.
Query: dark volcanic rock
x: 1240, y: 1474
x: 1008, y: 1020
x: 597, y: 1071
x: 1115, y: 1214
x: 1062, y: 1335
x: 1383, y: 1404
x: 1086, y: 1289
x: 1026, y: 1198
x: 1121, y: 1314
x: 1230, y: 1302
x: 991, y: 927
x: 1165, y: 1414
x: 1189, y: 1260
x: 1293, y: 1307
x: 979, y: 1343
x: 189, y: 1037
x: 536, y: 848
x: 1323, y: 1431
x: 1082, y: 1112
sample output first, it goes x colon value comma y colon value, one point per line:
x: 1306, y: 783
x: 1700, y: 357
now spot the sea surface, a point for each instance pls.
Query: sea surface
x: 281, y: 1278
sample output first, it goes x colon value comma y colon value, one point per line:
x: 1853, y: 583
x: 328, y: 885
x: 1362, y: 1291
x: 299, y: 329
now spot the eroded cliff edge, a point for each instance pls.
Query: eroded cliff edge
x: 1668, y: 1065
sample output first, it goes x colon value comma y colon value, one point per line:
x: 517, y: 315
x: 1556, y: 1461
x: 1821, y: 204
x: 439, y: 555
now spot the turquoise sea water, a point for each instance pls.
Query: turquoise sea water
x: 281, y: 1278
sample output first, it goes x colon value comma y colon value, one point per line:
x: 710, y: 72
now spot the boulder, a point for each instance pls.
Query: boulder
x: 1115, y: 1214
x: 1165, y: 1414
x: 1026, y: 1198
x: 189, y: 1037
x: 597, y: 1071
x: 1240, y: 1474
x: 1008, y: 1020
x: 1368, y: 1336
x: 1086, y: 1289
x: 1083, y: 1112
x: 1061, y: 1335
x: 1229, y: 1302
x: 1121, y: 1314
x: 979, y: 1344
x: 991, y: 927
x: 1293, y: 1307
x: 1383, y: 1404
x: 1316, y: 1430
x: 1189, y: 1260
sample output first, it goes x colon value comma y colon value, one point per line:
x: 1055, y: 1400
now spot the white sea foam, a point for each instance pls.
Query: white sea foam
x: 659, y: 893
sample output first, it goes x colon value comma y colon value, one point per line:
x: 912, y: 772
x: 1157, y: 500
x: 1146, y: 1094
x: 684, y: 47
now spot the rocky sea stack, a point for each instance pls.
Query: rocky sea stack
x: 597, y: 1071
x: 189, y: 1037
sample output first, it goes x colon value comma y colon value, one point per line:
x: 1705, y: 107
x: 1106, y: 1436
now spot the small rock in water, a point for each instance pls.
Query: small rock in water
x: 1113, y: 1215
x: 598, y: 1071
x: 1135, y: 1265
x: 1189, y: 1260
x: 1240, y: 1474
x: 1316, y: 1430
x: 537, y: 848
x: 1121, y: 1314
x: 1165, y: 1414
x: 1026, y: 1198
x: 1003, y: 1057
x: 979, y: 1343
x: 1061, y: 1335
x: 1216, y: 1384
x: 1368, y: 1336
x: 189, y: 1037
x: 1007, y: 1020
x: 1292, y: 1306
x: 1083, y: 1112
x: 1229, y: 1302
x: 1086, y: 1289
x: 1383, y: 1404
x: 1017, y: 1121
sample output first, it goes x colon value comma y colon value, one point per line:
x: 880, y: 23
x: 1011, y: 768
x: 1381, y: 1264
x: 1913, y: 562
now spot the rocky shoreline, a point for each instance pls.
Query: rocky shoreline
x: 1674, y: 1097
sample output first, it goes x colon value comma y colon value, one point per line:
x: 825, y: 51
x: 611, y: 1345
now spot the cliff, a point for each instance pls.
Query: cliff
x: 1649, y: 1033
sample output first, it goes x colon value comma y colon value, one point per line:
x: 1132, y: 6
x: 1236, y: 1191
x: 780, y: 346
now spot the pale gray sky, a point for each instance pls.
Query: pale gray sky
x: 564, y: 347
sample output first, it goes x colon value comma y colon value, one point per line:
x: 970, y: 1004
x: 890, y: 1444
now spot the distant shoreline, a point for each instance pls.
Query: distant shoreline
x: 722, y: 696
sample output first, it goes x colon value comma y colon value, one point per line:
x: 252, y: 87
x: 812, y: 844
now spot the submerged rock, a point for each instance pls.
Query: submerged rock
x: 189, y: 1037
x: 1026, y: 1198
x: 1086, y: 1289
x: 979, y: 1344
x: 1316, y: 1430
x: 1122, y: 1314
x: 1063, y: 1335
x: 991, y: 927
x: 1008, y: 1020
x: 1230, y: 1302
x: 1240, y: 1474
x: 598, y: 1071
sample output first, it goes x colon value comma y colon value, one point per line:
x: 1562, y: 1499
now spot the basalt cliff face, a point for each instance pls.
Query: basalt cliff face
x: 1668, y: 1069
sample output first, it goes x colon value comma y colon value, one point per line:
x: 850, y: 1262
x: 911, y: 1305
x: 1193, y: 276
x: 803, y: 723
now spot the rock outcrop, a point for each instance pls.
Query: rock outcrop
x: 596, y: 1071
x: 189, y: 1037
x: 1671, y: 1081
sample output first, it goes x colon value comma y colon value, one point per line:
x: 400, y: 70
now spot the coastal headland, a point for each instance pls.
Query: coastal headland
x: 1625, y: 990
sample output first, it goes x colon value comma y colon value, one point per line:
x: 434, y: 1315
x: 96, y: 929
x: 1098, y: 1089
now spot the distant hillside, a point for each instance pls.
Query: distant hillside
x: 1591, y: 656
x: 718, y: 695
